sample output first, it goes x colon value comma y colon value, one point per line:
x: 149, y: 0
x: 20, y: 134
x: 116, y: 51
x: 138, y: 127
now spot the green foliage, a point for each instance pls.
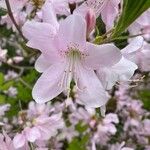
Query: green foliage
x: 24, y: 91
x: 80, y: 127
x: 2, y: 12
x: 132, y: 9
x: 1, y: 79
x: 4, y: 32
x: 144, y: 95
x: 79, y: 143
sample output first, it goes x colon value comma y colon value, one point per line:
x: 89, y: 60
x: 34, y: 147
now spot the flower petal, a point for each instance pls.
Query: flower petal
x: 49, y: 15
x: 109, y: 13
x: 19, y: 141
x: 32, y: 134
x: 122, y: 71
x: 91, y: 92
x: 73, y: 31
x: 102, y: 55
x: 37, y: 30
x: 48, y: 85
x: 41, y: 37
x: 133, y: 46
x: 42, y: 64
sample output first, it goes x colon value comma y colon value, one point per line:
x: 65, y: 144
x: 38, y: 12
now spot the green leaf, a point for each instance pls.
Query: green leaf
x: 145, y: 97
x: 6, y: 86
x: 2, y: 99
x: 24, y: 93
x: 79, y: 144
x: 1, y: 79
x: 132, y: 9
x: 3, y: 11
x: 81, y: 127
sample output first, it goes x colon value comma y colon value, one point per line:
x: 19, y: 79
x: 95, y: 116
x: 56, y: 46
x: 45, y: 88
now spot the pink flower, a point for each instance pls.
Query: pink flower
x: 6, y: 142
x: 111, y: 118
x: 68, y: 56
x: 3, y: 54
x: 40, y: 128
x: 3, y: 109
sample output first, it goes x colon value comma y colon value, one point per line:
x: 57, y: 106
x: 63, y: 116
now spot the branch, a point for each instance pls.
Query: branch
x: 13, y: 19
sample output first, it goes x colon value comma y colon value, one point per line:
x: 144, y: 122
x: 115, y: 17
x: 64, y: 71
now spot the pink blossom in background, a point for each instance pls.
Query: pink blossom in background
x: 6, y: 142
x: 142, y: 25
x: 3, y: 54
x: 39, y: 125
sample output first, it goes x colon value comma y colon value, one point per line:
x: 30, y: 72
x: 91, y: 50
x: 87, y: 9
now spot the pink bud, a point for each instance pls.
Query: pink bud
x: 91, y: 21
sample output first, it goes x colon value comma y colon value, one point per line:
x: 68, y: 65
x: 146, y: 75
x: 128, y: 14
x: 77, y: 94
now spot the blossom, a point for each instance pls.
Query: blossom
x: 6, y: 142
x: 4, y: 108
x: 16, y: 8
x: 105, y: 129
x: 37, y: 124
x: 68, y: 56
x: 3, y: 54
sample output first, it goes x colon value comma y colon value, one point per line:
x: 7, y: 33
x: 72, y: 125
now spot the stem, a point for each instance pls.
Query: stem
x: 31, y: 146
x: 13, y: 19
x: 110, y: 39
x: 18, y: 67
x: 26, y: 84
x: 105, y: 34
x: 126, y: 37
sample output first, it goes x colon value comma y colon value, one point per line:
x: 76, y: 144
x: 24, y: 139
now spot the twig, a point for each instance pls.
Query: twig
x: 13, y: 19
x: 24, y: 83
x: 18, y: 67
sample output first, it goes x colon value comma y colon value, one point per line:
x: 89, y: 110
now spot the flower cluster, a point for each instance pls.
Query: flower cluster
x: 68, y: 80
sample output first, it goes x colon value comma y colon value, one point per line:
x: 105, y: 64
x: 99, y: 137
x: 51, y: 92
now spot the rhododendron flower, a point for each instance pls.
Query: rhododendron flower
x: 42, y: 127
x: 68, y: 56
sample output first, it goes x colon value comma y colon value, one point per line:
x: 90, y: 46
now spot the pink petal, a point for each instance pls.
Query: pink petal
x: 19, y: 141
x: 42, y: 64
x: 41, y: 37
x: 73, y: 31
x: 91, y: 92
x: 135, y: 45
x: 122, y: 71
x: 102, y: 55
x: 110, y: 12
x: 48, y: 85
x: 49, y: 15
x: 32, y: 134
x: 37, y: 30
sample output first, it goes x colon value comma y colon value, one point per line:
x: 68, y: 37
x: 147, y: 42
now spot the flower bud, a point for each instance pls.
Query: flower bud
x: 90, y: 20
